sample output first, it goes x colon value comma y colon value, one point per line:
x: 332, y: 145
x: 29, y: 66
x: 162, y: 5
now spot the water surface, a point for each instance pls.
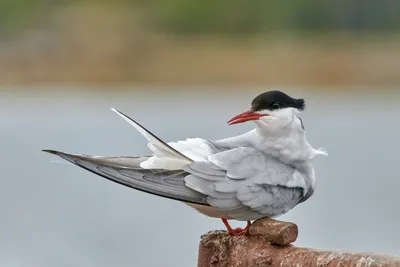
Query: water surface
x: 54, y: 214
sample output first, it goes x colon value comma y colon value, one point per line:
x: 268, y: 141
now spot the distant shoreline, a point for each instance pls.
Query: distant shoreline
x: 80, y: 48
x: 288, y: 63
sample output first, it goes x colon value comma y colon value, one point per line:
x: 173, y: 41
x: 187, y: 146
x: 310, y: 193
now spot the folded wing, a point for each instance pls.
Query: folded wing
x: 244, y: 179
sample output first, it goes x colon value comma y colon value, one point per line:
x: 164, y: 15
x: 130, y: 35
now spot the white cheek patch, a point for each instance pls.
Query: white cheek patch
x: 265, y: 112
x: 280, y: 116
x: 278, y: 113
x: 285, y: 113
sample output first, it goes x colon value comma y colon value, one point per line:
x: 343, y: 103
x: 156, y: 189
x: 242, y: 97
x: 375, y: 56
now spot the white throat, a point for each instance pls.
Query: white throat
x: 281, y: 134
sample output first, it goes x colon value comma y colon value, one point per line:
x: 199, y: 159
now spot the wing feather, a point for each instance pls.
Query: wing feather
x: 174, y: 158
x: 252, y: 182
x: 165, y: 183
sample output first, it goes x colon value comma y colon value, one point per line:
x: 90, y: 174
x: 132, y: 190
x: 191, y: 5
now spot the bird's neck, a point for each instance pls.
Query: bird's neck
x: 287, y: 143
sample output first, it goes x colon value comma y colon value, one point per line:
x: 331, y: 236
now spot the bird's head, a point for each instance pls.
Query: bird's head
x: 271, y: 111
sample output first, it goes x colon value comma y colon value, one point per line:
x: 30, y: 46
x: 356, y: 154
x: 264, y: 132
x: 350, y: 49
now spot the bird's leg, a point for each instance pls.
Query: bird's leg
x: 247, y: 229
x: 228, y: 227
x: 237, y: 231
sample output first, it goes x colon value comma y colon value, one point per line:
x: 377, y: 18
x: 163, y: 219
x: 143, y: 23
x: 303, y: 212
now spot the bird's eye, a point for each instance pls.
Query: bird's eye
x: 275, y: 105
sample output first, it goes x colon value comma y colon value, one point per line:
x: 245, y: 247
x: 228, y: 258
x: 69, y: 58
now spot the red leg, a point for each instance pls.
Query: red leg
x: 237, y: 231
x: 248, y: 226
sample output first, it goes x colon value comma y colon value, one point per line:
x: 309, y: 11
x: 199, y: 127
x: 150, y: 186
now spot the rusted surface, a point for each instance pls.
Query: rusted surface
x: 218, y: 249
x: 275, y: 232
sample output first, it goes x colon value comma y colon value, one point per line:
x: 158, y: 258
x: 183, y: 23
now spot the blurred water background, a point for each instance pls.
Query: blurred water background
x: 183, y: 68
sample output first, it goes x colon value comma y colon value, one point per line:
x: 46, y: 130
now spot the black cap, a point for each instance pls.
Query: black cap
x: 274, y: 100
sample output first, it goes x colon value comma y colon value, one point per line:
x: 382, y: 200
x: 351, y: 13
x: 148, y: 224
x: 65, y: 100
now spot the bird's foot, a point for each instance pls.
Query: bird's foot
x: 237, y: 231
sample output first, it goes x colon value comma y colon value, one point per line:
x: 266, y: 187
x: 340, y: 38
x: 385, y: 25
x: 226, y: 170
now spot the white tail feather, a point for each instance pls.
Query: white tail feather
x: 61, y: 162
x: 321, y: 151
x: 162, y: 151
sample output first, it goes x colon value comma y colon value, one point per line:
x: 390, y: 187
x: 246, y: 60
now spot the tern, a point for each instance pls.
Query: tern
x: 264, y: 172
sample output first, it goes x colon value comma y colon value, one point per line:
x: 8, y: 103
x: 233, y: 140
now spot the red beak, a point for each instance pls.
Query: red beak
x: 246, y: 116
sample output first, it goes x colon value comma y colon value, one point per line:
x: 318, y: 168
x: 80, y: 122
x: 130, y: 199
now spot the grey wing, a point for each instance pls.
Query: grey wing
x: 127, y: 171
x: 244, y: 183
x: 241, y: 182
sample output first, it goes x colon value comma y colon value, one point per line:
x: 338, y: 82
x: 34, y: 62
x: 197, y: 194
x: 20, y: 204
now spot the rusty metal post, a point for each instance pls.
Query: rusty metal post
x: 269, y: 245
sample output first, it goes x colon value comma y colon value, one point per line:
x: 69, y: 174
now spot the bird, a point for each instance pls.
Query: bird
x: 264, y: 172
